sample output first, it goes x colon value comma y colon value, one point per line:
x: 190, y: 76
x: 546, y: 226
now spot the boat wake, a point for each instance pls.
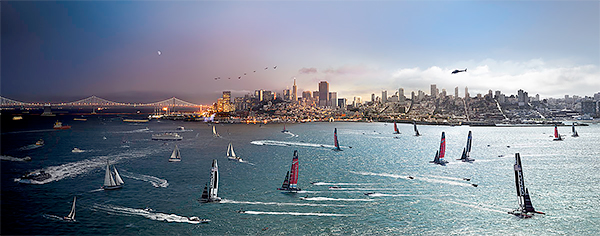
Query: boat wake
x: 133, y: 131
x: 31, y: 131
x: 297, y: 144
x: 279, y: 203
x: 155, y: 181
x: 293, y: 213
x: 421, y: 178
x: 340, y: 184
x: 291, y: 134
x: 30, y: 147
x: 72, y: 169
x: 9, y: 158
x: 336, y: 199
x: 117, y: 210
x: 447, y: 177
x: 53, y: 217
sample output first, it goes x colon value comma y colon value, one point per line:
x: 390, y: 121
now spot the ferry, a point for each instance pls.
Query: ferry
x: 59, y: 125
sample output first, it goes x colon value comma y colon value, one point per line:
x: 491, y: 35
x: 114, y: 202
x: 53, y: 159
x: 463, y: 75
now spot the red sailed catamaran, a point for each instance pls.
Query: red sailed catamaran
x: 396, y: 131
x: 335, y: 141
x: 439, y: 155
x: 557, y: 136
x: 290, y: 184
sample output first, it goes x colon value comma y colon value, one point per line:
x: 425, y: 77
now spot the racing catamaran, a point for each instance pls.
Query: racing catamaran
x: 526, y: 209
x: 439, y: 155
x: 467, y: 150
x: 416, y: 130
x: 335, y: 141
x: 575, y: 134
x: 396, y: 131
x: 71, y: 216
x: 557, y: 136
x: 290, y: 184
x: 210, y: 192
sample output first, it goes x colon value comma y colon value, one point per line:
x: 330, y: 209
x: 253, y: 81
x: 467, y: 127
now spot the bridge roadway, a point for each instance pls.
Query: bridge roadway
x: 97, y: 101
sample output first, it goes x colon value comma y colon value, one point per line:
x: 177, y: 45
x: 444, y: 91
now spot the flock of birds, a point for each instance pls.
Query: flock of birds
x: 240, y: 77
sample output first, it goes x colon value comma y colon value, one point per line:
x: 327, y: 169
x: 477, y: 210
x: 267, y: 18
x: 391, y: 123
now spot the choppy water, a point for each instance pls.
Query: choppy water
x: 562, y: 177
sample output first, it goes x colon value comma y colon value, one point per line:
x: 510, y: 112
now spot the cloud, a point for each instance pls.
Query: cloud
x: 305, y: 70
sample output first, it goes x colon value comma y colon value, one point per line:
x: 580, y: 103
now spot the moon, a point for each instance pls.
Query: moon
x: 159, y: 52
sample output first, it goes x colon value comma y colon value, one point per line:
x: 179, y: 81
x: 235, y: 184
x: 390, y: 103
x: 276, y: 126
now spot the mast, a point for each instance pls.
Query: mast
x: 175, y: 153
x: 443, y: 146
x: 522, y: 192
x: 294, y: 171
x: 71, y: 215
x: 469, y: 140
x: 232, y: 152
x: 108, y: 179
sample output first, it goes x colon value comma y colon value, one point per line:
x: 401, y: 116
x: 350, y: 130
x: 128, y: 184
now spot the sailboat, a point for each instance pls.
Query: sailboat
x: 71, y: 216
x: 525, y: 207
x: 396, y: 131
x: 210, y: 191
x: 290, y: 184
x: 215, y: 134
x: 335, y: 141
x: 575, y: 134
x: 112, y: 179
x: 439, y: 155
x: 416, y: 130
x: 284, y: 130
x: 231, y: 154
x: 176, y: 155
x: 557, y: 136
x: 467, y: 150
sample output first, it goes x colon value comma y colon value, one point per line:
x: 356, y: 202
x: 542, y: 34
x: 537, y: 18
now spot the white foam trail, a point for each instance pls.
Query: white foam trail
x: 300, y: 144
x: 279, y: 203
x: 445, y: 177
x: 400, y: 195
x: 32, y: 131
x: 9, y: 158
x: 340, y: 184
x: 53, y: 217
x: 141, y: 212
x: 293, y: 213
x: 471, y: 206
x: 291, y: 134
x: 362, y: 189
x: 336, y: 199
x: 133, y: 131
x: 30, y: 147
x: 72, y: 169
x: 431, y: 180
x: 155, y: 181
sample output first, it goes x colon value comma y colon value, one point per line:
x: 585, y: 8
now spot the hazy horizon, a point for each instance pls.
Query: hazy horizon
x: 65, y: 51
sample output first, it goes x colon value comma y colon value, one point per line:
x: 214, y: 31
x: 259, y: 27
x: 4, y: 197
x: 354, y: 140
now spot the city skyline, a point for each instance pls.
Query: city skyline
x: 144, y: 51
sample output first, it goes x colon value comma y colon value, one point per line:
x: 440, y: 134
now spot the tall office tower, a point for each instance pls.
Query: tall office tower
x: 373, y: 98
x: 384, y: 97
x: 412, y: 95
x: 332, y: 100
x: 456, y: 92
x: 497, y: 94
x: 227, y: 96
x: 357, y: 101
x: 316, y: 97
x: 306, y: 95
x: 401, y: 96
x: 443, y: 94
x: 287, y: 95
x: 294, y: 92
x: 342, y: 103
x: 466, y: 92
x: 323, y: 93
x: 259, y: 94
x: 433, y: 91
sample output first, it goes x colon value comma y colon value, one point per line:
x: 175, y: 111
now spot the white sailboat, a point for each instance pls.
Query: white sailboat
x: 71, y: 216
x: 111, y: 182
x: 176, y: 155
x: 215, y: 134
x: 210, y: 192
x: 231, y: 154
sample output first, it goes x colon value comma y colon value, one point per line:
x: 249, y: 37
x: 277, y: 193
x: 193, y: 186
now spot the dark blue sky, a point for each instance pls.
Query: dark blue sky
x: 69, y: 50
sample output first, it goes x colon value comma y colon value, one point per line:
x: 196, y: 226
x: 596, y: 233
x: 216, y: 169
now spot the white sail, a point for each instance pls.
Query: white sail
x: 118, y: 179
x: 108, y: 180
x: 71, y: 215
x: 214, y: 181
x: 175, y: 154
x: 230, y: 152
x: 215, y: 131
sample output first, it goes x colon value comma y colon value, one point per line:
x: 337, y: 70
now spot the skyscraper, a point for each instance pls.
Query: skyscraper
x: 332, y: 100
x: 307, y: 95
x: 401, y: 95
x: 456, y: 92
x: 294, y: 92
x: 466, y: 92
x: 384, y: 96
x: 323, y: 93
x: 433, y: 91
x: 373, y: 98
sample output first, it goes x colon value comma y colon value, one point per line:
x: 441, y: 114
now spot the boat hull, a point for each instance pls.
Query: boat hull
x: 217, y: 199
x: 112, y: 187
x: 174, y: 160
x: 235, y: 159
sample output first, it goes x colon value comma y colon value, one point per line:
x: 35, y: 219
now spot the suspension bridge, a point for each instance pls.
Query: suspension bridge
x: 98, y: 101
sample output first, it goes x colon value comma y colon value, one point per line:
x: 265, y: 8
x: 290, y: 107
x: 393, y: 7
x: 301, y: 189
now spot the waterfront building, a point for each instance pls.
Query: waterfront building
x: 588, y: 107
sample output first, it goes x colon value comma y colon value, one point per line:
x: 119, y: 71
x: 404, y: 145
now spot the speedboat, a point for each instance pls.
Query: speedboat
x: 37, y: 176
x: 76, y: 150
x: 59, y: 125
x: 195, y: 218
x: 39, y: 142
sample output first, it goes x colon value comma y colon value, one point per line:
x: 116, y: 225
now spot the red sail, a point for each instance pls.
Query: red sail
x: 294, y: 171
x: 443, y: 146
x: 395, y: 127
x: 335, y: 141
x: 555, y: 131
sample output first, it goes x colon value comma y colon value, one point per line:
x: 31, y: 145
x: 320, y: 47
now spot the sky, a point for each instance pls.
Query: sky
x: 65, y: 51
